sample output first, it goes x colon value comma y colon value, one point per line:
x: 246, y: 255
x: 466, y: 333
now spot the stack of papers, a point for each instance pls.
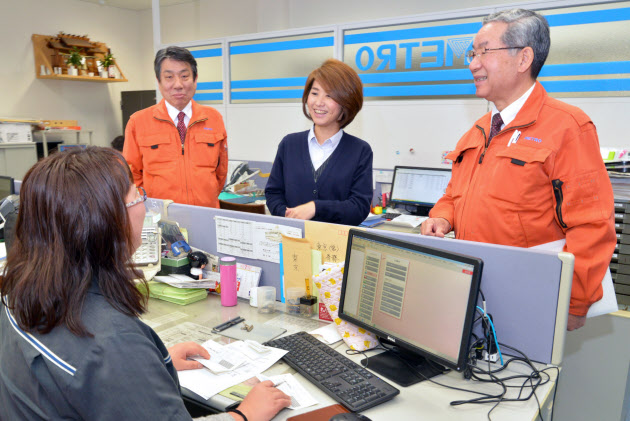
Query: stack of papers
x: 411, y: 221
x: 252, y: 360
x: 184, y: 281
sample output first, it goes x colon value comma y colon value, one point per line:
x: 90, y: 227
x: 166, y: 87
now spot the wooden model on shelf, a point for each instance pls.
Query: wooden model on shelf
x: 52, y: 54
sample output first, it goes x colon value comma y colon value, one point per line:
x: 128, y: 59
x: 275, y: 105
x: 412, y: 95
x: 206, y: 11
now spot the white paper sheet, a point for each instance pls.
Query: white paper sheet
x: 608, y: 303
x: 207, y: 384
x: 235, y: 237
x: 328, y: 333
x: 300, y: 398
x: 184, y: 281
x: 268, y: 236
x: 254, y: 240
x: 247, y: 277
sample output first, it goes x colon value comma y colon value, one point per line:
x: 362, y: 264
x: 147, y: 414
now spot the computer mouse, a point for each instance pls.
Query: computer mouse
x: 349, y: 416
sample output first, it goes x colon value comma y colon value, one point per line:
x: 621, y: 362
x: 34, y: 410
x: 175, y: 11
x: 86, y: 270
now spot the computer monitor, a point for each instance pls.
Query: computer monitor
x: 7, y: 186
x: 420, y: 187
x: 70, y: 146
x: 419, y: 299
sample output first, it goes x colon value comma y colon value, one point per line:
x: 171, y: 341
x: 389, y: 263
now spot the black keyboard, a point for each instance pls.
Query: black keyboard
x: 390, y: 215
x: 340, y: 378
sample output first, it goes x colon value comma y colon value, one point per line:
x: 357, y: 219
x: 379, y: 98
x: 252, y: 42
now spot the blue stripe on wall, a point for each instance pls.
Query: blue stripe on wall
x: 269, y: 83
x: 549, y: 70
x: 579, y: 69
x: 218, y: 96
x: 597, y: 85
x: 424, y: 90
x: 564, y: 19
x: 594, y: 85
x: 283, y: 45
x: 275, y: 94
x: 202, y: 86
x: 597, y: 16
x: 210, y: 52
x: 427, y: 76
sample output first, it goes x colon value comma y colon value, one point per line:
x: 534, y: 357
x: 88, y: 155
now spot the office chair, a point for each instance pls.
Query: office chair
x: 243, y: 207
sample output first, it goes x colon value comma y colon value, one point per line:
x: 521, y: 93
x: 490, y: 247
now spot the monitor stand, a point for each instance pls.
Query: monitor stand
x: 422, y: 210
x: 390, y: 364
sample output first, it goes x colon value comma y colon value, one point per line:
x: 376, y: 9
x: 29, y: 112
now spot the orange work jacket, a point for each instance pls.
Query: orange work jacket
x: 192, y: 173
x: 548, y: 184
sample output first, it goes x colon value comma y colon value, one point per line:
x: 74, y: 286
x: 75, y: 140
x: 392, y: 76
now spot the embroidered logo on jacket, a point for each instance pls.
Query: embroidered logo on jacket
x: 208, y: 128
x: 533, y: 139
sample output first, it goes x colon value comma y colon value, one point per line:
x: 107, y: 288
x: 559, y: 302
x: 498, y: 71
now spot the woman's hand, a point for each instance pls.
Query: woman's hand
x: 305, y: 211
x: 180, y: 353
x: 263, y: 402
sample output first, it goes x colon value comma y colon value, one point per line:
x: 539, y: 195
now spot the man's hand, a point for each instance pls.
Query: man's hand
x: 435, y: 227
x: 180, y: 352
x: 262, y: 403
x: 305, y: 211
x: 575, y: 322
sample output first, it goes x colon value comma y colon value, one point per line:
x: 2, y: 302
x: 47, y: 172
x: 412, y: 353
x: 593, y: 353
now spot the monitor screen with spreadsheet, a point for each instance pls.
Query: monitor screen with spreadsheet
x: 419, y: 298
x: 421, y: 187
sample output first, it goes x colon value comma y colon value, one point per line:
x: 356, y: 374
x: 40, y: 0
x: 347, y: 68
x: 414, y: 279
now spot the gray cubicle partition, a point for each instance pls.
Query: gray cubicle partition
x: 527, y: 291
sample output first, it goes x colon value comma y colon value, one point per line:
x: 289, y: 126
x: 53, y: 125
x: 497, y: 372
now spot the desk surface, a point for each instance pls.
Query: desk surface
x: 424, y: 400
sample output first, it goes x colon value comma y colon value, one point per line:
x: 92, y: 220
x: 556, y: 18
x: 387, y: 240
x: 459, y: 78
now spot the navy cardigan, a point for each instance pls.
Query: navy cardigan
x: 343, y: 192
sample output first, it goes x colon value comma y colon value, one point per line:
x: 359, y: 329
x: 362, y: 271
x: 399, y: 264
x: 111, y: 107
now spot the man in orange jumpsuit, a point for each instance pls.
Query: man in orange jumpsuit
x: 537, y: 176
x: 177, y: 149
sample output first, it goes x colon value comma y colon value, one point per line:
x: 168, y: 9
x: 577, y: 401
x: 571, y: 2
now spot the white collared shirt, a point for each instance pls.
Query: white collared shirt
x: 509, y: 113
x: 320, y: 153
x: 173, y: 112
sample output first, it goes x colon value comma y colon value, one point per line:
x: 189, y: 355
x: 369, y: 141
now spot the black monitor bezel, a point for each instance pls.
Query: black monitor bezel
x: 471, y: 304
x: 408, y: 202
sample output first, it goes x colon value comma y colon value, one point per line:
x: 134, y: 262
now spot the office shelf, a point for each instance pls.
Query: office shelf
x: 43, y: 57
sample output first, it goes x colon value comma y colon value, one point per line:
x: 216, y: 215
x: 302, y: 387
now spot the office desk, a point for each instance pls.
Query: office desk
x: 423, y: 400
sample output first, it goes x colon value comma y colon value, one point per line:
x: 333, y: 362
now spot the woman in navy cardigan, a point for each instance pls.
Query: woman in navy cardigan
x: 324, y: 174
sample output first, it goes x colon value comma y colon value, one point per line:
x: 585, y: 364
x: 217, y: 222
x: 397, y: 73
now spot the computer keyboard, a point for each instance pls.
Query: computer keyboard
x: 390, y: 215
x: 342, y: 379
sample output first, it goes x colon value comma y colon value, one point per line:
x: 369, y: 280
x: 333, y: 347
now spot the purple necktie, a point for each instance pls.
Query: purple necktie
x: 495, y: 128
x: 181, y: 127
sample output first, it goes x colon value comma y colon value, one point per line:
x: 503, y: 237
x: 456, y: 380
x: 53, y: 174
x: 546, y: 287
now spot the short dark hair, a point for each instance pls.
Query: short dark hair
x: 72, y: 229
x: 525, y: 28
x: 118, y: 143
x: 177, y: 54
x: 342, y: 84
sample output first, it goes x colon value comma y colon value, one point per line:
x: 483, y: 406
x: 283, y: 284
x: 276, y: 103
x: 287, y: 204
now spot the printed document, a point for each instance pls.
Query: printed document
x: 255, y: 359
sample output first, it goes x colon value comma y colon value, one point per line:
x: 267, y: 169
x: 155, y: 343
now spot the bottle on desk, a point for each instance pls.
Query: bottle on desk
x: 228, y: 281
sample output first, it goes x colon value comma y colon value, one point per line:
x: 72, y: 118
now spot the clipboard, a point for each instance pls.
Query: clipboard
x: 260, y: 333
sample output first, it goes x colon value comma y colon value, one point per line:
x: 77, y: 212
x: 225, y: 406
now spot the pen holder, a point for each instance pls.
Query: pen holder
x: 228, y: 281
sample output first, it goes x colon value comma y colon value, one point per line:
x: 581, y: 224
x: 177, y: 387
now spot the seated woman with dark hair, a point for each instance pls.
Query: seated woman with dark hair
x: 324, y: 174
x: 71, y: 343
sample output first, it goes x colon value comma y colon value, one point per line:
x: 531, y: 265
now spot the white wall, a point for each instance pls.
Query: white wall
x: 95, y: 105
x: 392, y: 128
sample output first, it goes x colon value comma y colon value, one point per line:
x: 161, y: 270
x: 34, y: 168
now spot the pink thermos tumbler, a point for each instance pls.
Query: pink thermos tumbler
x: 228, y: 281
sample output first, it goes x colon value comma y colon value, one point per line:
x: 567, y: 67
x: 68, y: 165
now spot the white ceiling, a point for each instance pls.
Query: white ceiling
x: 136, y: 4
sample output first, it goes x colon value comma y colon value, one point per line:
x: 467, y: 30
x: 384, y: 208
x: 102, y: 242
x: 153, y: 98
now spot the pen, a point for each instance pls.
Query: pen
x: 228, y: 324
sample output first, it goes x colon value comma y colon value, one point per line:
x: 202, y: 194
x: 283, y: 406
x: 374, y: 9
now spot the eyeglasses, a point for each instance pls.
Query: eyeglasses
x: 142, y: 196
x: 471, y: 54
